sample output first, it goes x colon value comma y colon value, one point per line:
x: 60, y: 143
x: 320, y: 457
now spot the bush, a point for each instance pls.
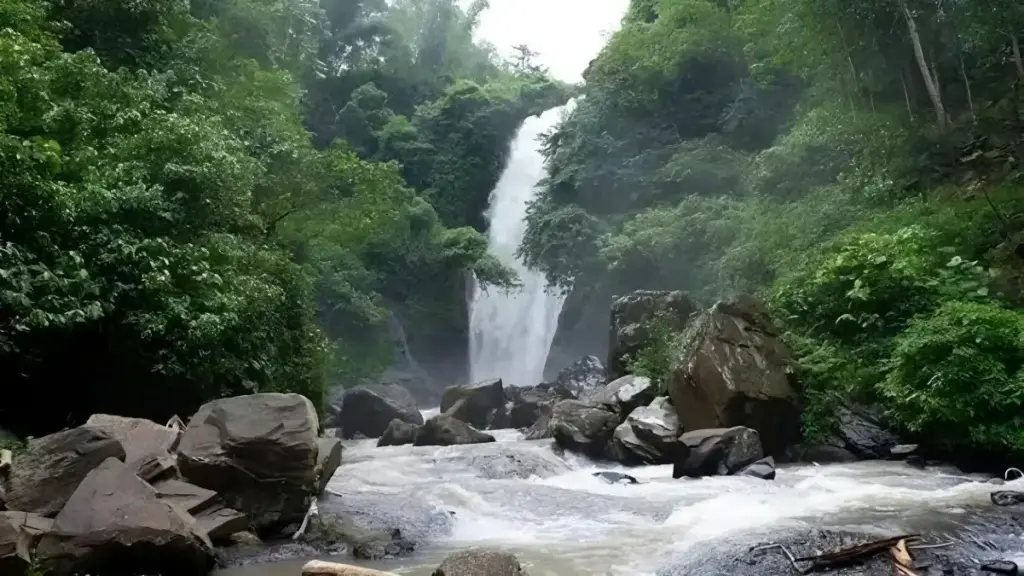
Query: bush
x: 957, y: 375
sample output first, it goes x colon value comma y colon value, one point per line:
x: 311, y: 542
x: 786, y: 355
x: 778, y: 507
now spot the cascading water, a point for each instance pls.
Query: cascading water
x: 511, y: 331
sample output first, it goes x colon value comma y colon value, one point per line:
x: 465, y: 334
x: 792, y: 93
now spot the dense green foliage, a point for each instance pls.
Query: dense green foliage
x: 211, y: 198
x: 855, y: 163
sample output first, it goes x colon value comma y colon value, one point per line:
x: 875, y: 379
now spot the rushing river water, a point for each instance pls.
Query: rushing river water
x: 561, y: 521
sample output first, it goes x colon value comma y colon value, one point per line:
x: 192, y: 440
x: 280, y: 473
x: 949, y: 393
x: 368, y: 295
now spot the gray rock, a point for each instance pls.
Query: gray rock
x: 15, y: 546
x: 582, y: 427
x: 444, y: 430
x: 541, y: 429
x: 115, y: 523
x: 734, y: 370
x: 47, y: 473
x: 258, y: 452
x: 481, y: 405
x: 532, y: 404
x: 368, y: 410
x: 820, y: 454
x: 328, y: 458
x: 632, y: 317
x: 862, y: 431
x: 581, y: 376
x: 220, y: 523
x: 625, y: 394
x: 648, y: 436
x: 903, y: 450
x: 615, y: 477
x: 148, y: 446
x: 480, y: 562
x: 763, y: 469
x: 398, y: 433
x: 185, y: 496
x: 717, y: 451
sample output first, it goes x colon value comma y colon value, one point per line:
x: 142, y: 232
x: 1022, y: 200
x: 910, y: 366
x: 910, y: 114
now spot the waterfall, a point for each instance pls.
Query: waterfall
x: 511, y: 331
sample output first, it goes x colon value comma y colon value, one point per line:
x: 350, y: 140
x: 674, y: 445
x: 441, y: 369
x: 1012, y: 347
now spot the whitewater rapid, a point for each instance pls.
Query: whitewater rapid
x: 560, y: 520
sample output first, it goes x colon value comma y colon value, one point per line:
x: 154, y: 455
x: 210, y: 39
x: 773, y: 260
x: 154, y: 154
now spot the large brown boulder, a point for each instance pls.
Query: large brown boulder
x: 481, y: 405
x: 480, y: 562
x: 734, y: 370
x: 48, y: 471
x: 148, y: 446
x: 583, y: 427
x: 633, y: 317
x: 648, y: 436
x: 444, y: 430
x: 719, y: 451
x: 114, y: 523
x: 398, y: 434
x: 259, y: 452
x: 368, y: 410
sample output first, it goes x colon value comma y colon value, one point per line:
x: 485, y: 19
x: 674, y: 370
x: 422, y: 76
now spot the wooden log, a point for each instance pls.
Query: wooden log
x: 320, y: 568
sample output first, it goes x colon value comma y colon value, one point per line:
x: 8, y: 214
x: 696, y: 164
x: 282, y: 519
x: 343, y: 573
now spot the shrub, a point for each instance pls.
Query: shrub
x: 957, y: 375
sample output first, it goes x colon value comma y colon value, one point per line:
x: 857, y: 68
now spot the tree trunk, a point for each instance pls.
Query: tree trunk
x: 967, y: 86
x: 906, y: 96
x: 1016, y: 56
x: 930, y: 80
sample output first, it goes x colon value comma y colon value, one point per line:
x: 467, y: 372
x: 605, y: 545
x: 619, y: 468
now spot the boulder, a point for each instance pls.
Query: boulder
x: 481, y: 405
x: 648, y: 436
x: 720, y: 451
x: 632, y: 318
x: 624, y: 394
x: 259, y: 452
x: 763, y: 469
x: 860, y: 430
x: 115, y: 523
x: 532, y: 404
x: 148, y: 446
x: 583, y: 427
x: 321, y: 568
x: 734, y: 370
x: 328, y: 458
x: 480, y: 562
x: 444, y: 430
x: 368, y: 410
x: 18, y: 533
x: 185, y: 496
x: 819, y: 454
x: 583, y: 375
x: 398, y: 434
x: 49, y: 470
x: 615, y: 477
x: 220, y: 523
x: 541, y: 429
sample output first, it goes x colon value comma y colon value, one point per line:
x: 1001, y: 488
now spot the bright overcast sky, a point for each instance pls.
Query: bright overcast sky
x: 568, y: 34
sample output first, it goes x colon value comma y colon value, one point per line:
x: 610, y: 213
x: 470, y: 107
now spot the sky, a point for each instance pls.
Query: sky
x: 568, y: 34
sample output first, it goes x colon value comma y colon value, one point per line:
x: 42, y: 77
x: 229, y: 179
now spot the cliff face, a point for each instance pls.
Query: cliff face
x: 582, y: 328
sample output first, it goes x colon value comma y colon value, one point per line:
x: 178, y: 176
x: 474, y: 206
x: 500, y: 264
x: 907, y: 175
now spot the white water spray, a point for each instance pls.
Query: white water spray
x: 511, y: 331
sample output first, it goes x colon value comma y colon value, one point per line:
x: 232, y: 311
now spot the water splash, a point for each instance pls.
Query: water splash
x: 511, y: 332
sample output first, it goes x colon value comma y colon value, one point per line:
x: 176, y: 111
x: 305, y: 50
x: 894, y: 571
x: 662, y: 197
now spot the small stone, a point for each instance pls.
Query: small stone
x: 902, y: 450
x: 1007, y: 498
x: 1004, y: 567
x: 615, y: 477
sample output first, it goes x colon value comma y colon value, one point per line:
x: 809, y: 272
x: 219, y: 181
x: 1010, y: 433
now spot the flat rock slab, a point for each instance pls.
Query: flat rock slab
x: 328, y: 458
x: 142, y: 439
x: 220, y: 523
x: 320, y: 568
x: 115, y: 523
x: 47, y: 473
x: 188, y: 497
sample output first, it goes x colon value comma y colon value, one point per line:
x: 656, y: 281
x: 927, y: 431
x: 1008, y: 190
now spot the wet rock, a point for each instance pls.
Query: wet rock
x: 47, y: 473
x: 15, y: 547
x: 220, y: 523
x: 819, y: 454
x: 382, y: 546
x: 655, y: 429
x: 581, y: 376
x: 328, y: 458
x: 369, y: 410
x: 444, y: 430
x: 625, y: 394
x: 321, y: 568
x: 541, y: 429
x: 720, y: 451
x: 903, y: 450
x: 148, y: 446
x: 734, y: 370
x: 398, y: 433
x: 1003, y: 567
x: 615, y: 477
x: 1007, y: 498
x: 763, y: 469
x: 631, y: 321
x: 258, y: 452
x: 582, y: 427
x: 532, y: 404
x: 480, y: 562
x: 862, y: 431
x: 114, y: 523
x: 625, y: 447
x: 916, y: 461
x: 476, y: 404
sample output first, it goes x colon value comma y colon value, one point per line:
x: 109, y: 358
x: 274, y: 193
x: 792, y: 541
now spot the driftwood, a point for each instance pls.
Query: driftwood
x: 829, y: 560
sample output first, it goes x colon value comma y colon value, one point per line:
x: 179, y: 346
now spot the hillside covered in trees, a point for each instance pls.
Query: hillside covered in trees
x: 213, y: 197
x: 857, y: 164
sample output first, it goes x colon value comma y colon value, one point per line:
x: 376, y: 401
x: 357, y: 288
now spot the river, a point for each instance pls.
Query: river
x: 562, y: 521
